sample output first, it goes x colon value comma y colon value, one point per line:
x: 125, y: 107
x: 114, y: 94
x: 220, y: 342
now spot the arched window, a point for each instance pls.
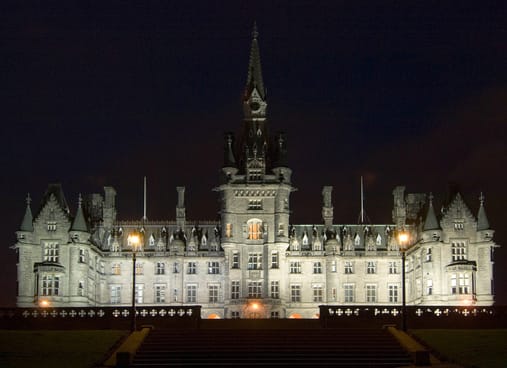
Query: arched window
x: 254, y: 229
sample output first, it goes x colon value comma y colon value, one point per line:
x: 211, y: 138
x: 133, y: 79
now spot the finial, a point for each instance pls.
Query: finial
x: 28, y: 199
x: 255, y: 34
x: 481, y: 198
x: 430, y: 197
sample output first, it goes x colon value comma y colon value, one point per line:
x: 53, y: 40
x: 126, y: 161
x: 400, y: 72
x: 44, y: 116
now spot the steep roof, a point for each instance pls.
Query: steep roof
x: 482, y: 219
x: 431, y: 222
x: 254, y: 77
x: 27, y: 223
x: 79, y: 223
x: 56, y: 190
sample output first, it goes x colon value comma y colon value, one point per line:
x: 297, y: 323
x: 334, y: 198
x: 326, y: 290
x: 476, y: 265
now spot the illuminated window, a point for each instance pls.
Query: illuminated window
x: 275, y: 290
x: 459, y: 225
x: 393, y: 267
x: 213, y: 293
x: 235, y: 291
x: 349, y: 267
x: 254, y: 261
x: 160, y: 293
x: 295, y: 267
x: 295, y: 293
x: 349, y: 296
x: 160, y: 269
x: 460, y: 283
x: 191, y: 293
x: 254, y: 229
x: 151, y: 240
x: 213, y: 268
x: 371, y: 293
x: 115, y: 294
x: 274, y: 260
x: 50, y: 285
x: 51, y: 225
x: 255, y: 289
x: 255, y: 204
x: 51, y: 252
x: 458, y: 250
x: 317, y: 293
x: 139, y: 295
x: 317, y: 267
x: 393, y: 293
x: 333, y: 266
x: 228, y: 230
x: 116, y: 269
x: 139, y: 268
x: 371, y: 267
x: 191, y: 268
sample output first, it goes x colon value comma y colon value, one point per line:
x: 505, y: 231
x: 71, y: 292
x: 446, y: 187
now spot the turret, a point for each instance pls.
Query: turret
x: 431, y: 227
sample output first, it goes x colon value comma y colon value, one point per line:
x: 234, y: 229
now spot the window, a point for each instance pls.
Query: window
x: 235, y: 315
x: 349, y: 267
x: 151, y: 241
x: 51, y: 252
x: 349, y: 293
x: 191, y: 293
x: 317, y: 293
x: 228, y: 230
x: 275, y: 314
x: 393, y: 267
x: 295, y: 293
x: 371, y: 293
x: 50, y: 285
x: 295, y: 267
x: 333, y: 266
x: 393, y: 293
x: 213, y: 268
x: 139, y: 268
x: 51, y: 225
x: 115, y: 294
x: 428, y: 254
x: 254, y: 261
x: 176, y: 267
x: 255, y: 204
x: 460, y: 283
x: 192, y: 268
x: 160, y: 270
x: 371, y: 267
x: 333, y: 293
x: 213, y: 293
x: 459, y: 225
x: 317, y: 267
x: 255, y: 289
x: 82, y: 256
x: 254, y: 229
x: 274, y: 260
x: 275, y: 289
x: 235, y: 290
x: 458, y: 250
x: 159, y: 293
x: 116, y: 269
x: 235, y: 260
x: 80, y: 288
x: 139, y: 293
x: 281, y: 230
x: 429, y: 287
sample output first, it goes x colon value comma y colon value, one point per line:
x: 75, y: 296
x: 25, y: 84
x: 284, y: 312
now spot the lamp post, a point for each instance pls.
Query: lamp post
x: 403, y: 242
x: 134, y: 239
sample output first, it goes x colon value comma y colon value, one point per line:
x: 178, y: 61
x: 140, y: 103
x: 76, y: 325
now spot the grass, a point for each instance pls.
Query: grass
x: 470, y: 348
x: 76, y: 349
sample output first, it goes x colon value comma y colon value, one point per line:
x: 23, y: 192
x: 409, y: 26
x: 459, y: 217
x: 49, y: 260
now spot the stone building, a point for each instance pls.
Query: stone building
x: 253, y: 262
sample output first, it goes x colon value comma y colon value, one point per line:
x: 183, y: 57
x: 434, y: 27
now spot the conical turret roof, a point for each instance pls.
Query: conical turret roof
x: 27, y: 223
x: 431, y: 222
x: 482, y: 219
x: 79, y: 223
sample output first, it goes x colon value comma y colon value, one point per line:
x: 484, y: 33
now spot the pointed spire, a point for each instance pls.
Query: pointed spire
x: 27, y: 223
x: 482, y: 219
x: 254, y: 78
x: 229, y: 159
x: 79, y: 223
x: 431, y: 222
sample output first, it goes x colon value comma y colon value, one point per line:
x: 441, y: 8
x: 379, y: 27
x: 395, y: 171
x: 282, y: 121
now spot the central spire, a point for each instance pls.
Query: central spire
x: 254, y: 77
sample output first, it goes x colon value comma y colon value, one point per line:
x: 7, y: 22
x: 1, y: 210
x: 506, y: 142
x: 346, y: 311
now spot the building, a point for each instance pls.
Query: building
x: 253, y: 262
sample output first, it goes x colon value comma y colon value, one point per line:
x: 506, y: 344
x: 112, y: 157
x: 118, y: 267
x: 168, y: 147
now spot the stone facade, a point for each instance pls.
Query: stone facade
x: 253, y: 262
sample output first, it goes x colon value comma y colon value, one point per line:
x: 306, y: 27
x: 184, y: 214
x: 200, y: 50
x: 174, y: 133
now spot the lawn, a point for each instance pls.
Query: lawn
x: 470, y: 348
x: 76, y: 349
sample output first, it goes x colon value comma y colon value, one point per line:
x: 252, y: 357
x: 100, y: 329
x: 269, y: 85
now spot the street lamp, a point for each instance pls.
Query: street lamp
x: 403, y: 238
x: 134, y: 239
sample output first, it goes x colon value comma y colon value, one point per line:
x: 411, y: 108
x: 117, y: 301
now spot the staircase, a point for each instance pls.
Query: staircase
x: 367, y: 347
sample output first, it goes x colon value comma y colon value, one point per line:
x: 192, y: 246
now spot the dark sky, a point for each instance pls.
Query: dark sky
x: 404, y: 93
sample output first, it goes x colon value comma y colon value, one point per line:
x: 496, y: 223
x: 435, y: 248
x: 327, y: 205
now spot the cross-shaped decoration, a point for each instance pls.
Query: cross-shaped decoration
x: 125, y: 313
x: 466, y: 312
x: 116, y: 313
x: 101, y: 313
x: 339, y: 312
x: 73, y: 313
x: 331, y: 311
x: 348, y: 312
x: 172, y: 312
x: 144, y: 312
x: 153, y: 312
x: 181, y: 312
x: 44, y: 314
x: 82, y: 313
x: 54, y: 313
x: 162, y: 312
x: 395, y: 312
x: 91, y: 313
x: 63, y: 313
x: 25, y: 314
x: 438, y: 312
x: 419, y: 312
x: 189, y: 311
x: 35, y: 314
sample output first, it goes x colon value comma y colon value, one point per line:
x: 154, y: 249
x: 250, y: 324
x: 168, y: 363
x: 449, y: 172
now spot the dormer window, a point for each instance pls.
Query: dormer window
x: 152, y: 241
x: 51, y: 225
x: 459, y: 225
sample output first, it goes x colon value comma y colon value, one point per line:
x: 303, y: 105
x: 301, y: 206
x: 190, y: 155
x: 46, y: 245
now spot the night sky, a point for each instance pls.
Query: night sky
x: 402, y: 92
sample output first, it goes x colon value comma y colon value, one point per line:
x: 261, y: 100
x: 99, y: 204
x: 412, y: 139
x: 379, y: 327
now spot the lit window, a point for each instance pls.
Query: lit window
x: 333, y: 266
x: 51, y: 225
x: 349, y: 267
x: 255, y: 289
x: 159, y: 293
x: 139, y: 295
x: 393, y: 267
x: 191, y: 293
x: 349, y: 293
x: 295, y: 293
x: 458, y: 250
x: 228, y: 230
x: 254, y: 261
x: 254, y: 229
x: 295, y: 267
x: 371, y: 293
x: 317, y: 293
x: 191, y: 268
x: 393, y: 293
x: 50, y: 285
x: 139, y: 268
x: 274, y: 260
x: 460, y: 283
x: 317, y: 267
x: 213, y: 268
x: 275, y: 290
x: 115, y: 294
x: 371, y: 267
x: 235, y: 291
x: 51, y: 252
x: 116, y: 269
x: 213, y: 293
x: 160, y: 270
x: 255, y: 204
